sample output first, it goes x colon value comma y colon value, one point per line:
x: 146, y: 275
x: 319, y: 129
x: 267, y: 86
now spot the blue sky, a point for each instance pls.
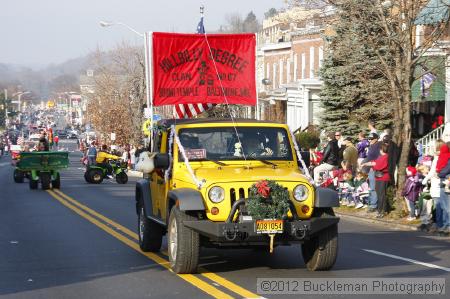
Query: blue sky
x: 39, y: 32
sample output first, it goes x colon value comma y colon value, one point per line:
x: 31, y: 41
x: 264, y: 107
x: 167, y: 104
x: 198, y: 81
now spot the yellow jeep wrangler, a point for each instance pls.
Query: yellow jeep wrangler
x: 208, y: 175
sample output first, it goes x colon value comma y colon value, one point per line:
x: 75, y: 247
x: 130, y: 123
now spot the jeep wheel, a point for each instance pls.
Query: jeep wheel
x: 183, y: 243
x: 320, y: 252
x: 150, y: 233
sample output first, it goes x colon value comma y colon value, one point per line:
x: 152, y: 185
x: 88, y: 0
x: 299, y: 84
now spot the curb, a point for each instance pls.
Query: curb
x: 391, y: 225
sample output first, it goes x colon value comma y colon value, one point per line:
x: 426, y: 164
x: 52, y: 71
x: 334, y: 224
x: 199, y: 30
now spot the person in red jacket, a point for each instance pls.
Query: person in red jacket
x: 444, y: 156
x: 382, y: 178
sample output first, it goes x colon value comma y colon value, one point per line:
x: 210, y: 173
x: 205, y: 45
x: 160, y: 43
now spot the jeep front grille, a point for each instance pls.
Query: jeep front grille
x: 237, y: 193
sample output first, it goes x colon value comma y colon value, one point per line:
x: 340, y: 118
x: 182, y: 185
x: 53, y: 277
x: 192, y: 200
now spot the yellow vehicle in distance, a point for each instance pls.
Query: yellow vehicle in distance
x: 204, y: 171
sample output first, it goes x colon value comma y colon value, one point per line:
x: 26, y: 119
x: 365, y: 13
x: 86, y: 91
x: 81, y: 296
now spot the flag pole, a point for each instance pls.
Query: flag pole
x: 148, y: 79
x: 257, y: 115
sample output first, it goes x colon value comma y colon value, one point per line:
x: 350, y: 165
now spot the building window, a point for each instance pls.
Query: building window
x: 274, y: 75
x: 295, y: 66
x: 320, y: 56
x: 303, y: 65
x: 311, y: 63
x: 288, y: 71
x: 281, y: 72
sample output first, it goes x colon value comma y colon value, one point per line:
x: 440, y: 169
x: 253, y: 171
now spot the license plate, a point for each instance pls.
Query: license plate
x: 269, y: 226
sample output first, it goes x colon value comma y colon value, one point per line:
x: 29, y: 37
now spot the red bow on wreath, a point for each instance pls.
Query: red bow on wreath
x: 263, y: 188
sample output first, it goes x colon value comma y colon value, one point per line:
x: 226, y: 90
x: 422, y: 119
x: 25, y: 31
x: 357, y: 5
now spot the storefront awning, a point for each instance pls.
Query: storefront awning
x: 430, y: 85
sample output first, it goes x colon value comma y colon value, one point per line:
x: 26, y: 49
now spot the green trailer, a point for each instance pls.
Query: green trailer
x: 42, y: 167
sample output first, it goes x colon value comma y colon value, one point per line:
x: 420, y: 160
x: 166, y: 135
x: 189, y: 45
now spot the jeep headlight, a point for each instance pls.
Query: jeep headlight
x: 300, y: 193
x: 216, y: 194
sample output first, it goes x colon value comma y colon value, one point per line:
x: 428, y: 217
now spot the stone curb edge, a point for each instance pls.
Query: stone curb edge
x: 391, y: 225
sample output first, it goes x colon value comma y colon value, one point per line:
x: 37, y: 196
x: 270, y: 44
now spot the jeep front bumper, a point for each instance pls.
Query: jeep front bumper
x: 244, y: 233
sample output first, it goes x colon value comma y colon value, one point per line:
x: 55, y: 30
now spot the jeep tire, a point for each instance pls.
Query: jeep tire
x: 183, y: 243
x: 320, y: 252
x: 150, y: 233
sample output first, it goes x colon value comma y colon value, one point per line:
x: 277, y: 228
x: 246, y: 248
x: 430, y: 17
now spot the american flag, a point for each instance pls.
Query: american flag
x: 191, y: 110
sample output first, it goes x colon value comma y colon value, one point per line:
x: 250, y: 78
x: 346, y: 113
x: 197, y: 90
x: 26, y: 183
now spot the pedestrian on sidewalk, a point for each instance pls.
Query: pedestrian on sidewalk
x: 435, y: 192
x: 444, y: 198
x: 92, y: 154
x: 361, y: 190
x: 362, y: 146
x: 380, y: 168
x: 411, y: 191
x: 330, y: 157
x: 373, y: 153
x: 350, y: 156
x: 56, y: 140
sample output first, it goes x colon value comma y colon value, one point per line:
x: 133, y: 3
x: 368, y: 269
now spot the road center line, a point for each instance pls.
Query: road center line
x: 204, y: 272
x: 192, y: 279
x: 408, y: 260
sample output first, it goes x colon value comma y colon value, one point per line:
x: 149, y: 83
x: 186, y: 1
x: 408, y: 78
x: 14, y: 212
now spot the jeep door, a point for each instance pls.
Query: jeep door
x: 157, y: 184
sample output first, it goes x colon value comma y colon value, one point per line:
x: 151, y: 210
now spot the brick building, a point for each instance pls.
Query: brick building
x: 291, y: 56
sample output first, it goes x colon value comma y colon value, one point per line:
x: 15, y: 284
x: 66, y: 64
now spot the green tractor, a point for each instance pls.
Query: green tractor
x: 41, y: 167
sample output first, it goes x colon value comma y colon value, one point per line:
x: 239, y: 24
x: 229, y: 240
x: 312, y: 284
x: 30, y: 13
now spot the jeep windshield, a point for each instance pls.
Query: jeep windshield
x: 222, y: 143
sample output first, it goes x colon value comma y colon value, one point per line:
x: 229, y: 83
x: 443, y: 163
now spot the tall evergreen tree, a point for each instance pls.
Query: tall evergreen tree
x: 355, y: 89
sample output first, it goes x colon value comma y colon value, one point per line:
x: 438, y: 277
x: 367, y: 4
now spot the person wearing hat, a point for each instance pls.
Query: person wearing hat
x: 373, y: 153
x: 350, y: 156
x: 330, y: 157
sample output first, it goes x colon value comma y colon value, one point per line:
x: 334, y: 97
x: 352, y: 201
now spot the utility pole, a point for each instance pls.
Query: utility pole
x: 6, y: 105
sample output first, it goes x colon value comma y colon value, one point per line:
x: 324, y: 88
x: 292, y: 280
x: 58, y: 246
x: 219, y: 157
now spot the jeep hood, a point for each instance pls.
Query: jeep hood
x: 229, y: 174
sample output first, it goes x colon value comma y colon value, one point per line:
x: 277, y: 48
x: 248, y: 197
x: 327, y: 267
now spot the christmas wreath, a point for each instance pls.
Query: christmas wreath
x: 267, y: 200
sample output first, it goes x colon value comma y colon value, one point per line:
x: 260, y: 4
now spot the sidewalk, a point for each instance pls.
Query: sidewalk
x: 362, y: 216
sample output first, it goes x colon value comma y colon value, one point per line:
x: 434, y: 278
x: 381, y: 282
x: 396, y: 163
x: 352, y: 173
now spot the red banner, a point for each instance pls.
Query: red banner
x: 192, y: 68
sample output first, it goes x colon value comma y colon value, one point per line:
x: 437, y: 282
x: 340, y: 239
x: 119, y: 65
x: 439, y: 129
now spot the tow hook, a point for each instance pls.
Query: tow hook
x: 300, y: 233
x: 230, y: 235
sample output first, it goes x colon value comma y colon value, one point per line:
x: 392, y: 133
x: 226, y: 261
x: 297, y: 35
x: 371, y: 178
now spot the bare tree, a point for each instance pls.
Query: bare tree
x: 119, y: 93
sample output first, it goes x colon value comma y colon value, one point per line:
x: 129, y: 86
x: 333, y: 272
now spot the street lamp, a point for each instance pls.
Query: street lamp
x: 147, y: 71
x: 109, y: 24
x: 19, y: 96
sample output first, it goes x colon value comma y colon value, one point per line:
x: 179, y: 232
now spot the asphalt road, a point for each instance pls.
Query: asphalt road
x: 80, y: 242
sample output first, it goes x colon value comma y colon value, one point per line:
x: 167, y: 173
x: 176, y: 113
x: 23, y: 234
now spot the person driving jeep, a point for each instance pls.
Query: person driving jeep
x: 255, y: 148
x: 102, y: 159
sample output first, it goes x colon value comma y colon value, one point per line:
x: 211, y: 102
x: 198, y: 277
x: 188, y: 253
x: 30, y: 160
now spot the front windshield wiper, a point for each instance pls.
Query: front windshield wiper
x: 264, y: 161
x: 214, y: 161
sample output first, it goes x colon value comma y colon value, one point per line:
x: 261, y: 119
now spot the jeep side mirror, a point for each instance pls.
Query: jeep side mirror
x: 162, y: 161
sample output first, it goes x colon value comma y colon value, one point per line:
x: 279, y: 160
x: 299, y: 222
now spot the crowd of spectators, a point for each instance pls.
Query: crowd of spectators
x: 362, y: 171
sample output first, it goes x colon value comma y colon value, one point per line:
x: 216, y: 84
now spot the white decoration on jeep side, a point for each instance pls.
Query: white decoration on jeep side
x: 297, y: 150
x: 188, y: 166
x: 169, y: 169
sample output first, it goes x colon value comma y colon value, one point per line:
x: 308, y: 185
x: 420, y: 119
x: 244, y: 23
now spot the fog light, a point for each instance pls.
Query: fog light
x: 305, y: 209
x: 215, y: 211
